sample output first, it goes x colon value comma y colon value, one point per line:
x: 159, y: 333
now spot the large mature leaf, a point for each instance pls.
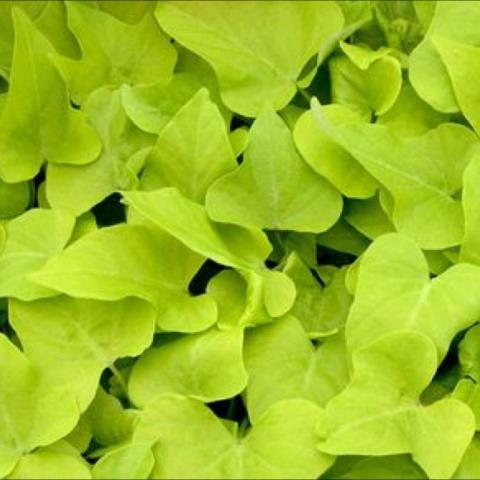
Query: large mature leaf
x: 31, y: 239
x: 190, y: 442
x: 252, y: 67
x: 192, y: 151
x: 379, y: 412
x: 114, y: 52
x: 190, y: 366
x: 133, y: 260
x: 291, y: 367
x: 418, y: 172
x: 79, y: 189
x: 72, y: 340
x: 33, y: 414
x: 394, y: 292
x: 34, y: 124
x: 273, y: 188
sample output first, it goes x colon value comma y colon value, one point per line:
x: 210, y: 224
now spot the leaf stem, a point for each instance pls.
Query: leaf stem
x: 121, y: 381
x: 307, y: 96
x: 243, y: 427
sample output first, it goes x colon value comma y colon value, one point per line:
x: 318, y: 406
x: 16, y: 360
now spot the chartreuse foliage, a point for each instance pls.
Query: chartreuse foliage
x: 34, y: 124
x: 188, y: 440
x: 254, y: 68
x: 35, y: 413
x: 381, y: 402
x: 239, y: 239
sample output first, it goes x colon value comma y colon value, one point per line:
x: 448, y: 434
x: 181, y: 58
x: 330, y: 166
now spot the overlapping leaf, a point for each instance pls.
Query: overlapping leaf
x: 193, y: 443
x: 379, y: 413
x: 30, y: 240
x: 192, y: 151
x: 72, y: 340
x: 418, y: 173
x: 273, y: 188
x: 365, y: 80
x: 33, y: 413
x: 190, y: 366
x: 394, y: 292
x: 134, y: 461
x: 34, y: 124
x: 55, y: 461
x: 133, y: 260
x: 78, y: 190
x: 252, y: 67
x: 328, y: 158
x: 114, y: 52
x: 242, y: 248
x: 291, y: 367
x: 322, y: 311
x: 427, y: 72
x: 49, y: 17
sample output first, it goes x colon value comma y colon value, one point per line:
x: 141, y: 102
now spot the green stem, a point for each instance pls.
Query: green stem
x: 243, y: 427
x: 116, y: 373
x: 305, y: 95
x: 231, y: 409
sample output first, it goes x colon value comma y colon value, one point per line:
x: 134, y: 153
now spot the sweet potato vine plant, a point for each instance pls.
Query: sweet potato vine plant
x: 239, y: 240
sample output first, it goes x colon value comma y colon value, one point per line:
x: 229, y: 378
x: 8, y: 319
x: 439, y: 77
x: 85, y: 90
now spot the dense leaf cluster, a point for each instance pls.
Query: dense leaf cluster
x: 239, y: 239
